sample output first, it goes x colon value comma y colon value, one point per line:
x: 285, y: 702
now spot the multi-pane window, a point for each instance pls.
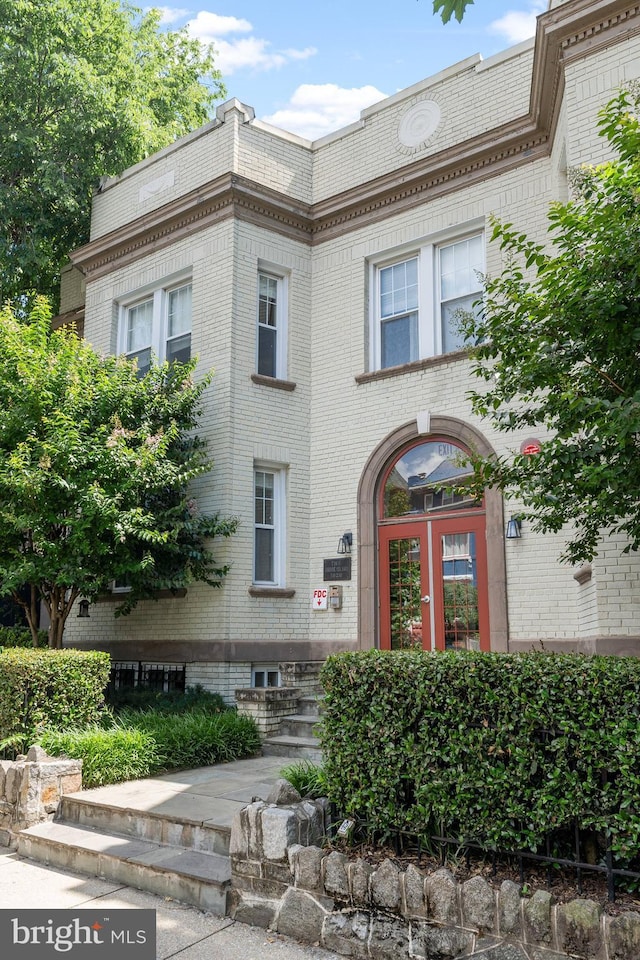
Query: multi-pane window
x: 460, y: 268
x: 419, y: 299
x: 139, y: 326
x: 271, y: 352
x: 458, y: 550
x: 268, y: 526
x: 399, y: 312
x: 158, y: 325
x: 179, y: 324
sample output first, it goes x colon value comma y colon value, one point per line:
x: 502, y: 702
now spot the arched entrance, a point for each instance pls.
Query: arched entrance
x: 449, y: 536
x: 432, y: 570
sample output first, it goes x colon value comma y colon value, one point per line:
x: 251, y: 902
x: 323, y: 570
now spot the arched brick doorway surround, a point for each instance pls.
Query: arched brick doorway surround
x: 367, y: 528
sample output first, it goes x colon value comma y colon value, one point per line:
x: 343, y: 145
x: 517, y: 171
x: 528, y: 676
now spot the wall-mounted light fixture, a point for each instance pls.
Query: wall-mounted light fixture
x: 514, y: 528
x: 83, y: 609
x: 345, y: 543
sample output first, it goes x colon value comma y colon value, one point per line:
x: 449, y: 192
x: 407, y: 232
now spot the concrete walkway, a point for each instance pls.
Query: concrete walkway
x: 182, y: 931
x: 209, y: 795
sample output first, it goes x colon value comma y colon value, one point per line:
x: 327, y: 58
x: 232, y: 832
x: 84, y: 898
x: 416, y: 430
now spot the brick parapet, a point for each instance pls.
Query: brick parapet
x: 268, y: 706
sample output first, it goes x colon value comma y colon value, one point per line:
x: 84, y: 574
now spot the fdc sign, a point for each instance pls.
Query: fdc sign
x: 320, y: 599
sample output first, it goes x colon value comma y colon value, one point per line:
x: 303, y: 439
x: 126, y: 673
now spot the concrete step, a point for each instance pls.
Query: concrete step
x: 191, y: 876
x: 179, y: 831
x: 293, y: 747
x: 299, y: 725
x: 310, y: 706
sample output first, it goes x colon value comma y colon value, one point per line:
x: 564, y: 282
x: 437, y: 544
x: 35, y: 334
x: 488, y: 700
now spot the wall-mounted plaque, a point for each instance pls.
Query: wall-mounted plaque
x: 337, y: 568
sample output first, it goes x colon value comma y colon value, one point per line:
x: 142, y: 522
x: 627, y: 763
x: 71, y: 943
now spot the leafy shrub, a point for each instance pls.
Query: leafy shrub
x: 108, y: 756
x: 307, y: 777
x: 198, y: 738
x: 490, y: 748
x: 20, y: 637
x: 141, y: 698
x: 49, y: 688
x: 141, y: 744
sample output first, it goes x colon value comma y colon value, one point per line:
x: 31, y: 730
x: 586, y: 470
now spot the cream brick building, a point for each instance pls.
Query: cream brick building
x: 317, y: 279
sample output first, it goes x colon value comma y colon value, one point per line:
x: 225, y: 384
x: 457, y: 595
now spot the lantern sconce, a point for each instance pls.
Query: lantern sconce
x: 345, y: 543
x: 83, y: 609
x: 514, y: 528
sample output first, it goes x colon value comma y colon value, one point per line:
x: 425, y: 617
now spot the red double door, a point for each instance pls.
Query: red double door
x: 433, y: 583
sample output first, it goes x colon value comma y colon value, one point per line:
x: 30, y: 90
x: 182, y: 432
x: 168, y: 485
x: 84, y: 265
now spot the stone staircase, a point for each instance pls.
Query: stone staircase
x: 288, y: 716
x: 297, y: 736
x: 166, y: 855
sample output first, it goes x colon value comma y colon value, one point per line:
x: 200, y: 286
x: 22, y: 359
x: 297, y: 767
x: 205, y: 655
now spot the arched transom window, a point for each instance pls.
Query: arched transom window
x: 428, y: 478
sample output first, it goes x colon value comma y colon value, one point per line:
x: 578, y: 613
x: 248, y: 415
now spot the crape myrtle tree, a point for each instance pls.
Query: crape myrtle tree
x: 89, y: 87
x: 95, y: 467
x: 559, y: 351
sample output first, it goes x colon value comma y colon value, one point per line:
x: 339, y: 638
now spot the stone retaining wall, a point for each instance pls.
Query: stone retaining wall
x: 30, y: 790
x: 285, y: 880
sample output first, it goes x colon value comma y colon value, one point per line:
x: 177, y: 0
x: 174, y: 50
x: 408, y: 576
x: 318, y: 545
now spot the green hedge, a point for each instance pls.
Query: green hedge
x: 490, y: 748
x: 49, y: 688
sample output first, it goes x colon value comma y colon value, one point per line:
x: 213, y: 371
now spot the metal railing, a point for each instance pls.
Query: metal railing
x: 556, y: 855
x: 164, y: 677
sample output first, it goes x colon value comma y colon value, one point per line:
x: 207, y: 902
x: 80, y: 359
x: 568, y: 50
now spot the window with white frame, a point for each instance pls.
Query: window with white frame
x: 157, y: 324
x: 271, y: 360
x: 265, y: 675
x: 269, y: 525
x: 418, y: 300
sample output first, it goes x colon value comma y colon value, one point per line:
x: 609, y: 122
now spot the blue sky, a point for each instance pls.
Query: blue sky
x: 311, y: 67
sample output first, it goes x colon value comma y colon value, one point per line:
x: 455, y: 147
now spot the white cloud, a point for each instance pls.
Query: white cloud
x: 254, y: 54
x: 317, y: 109
x: 208, y: 27
x: 517, y: 25
x: 244, y: 52
x: 169, y: 14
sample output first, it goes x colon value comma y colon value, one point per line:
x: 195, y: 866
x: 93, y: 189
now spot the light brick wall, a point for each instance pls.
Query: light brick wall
x: 590, y: 83
x: 243, y: 422
x: 349, y: 420
x: 72, y: 288
x: 473, y: 96
x: 223, y: 677
x: 233, y: 144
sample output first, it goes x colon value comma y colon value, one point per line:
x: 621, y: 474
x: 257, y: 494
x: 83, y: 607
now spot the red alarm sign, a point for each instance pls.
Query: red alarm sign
x: 530, y: 447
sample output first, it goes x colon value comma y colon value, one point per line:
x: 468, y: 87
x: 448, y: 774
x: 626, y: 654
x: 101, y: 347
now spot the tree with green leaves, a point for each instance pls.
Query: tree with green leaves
x: 95, y: 471
x: 89, y: 87
x: 559, y: 351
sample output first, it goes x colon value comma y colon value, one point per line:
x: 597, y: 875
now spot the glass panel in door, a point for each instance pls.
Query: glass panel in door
x: 403, y: 612
x: 460, y: 591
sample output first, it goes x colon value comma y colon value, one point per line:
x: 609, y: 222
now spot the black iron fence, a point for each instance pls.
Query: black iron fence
x: 159, y: 677
x: 570, y: 849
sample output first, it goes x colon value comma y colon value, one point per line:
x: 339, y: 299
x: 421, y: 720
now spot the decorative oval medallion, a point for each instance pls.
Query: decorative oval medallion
x: 419, y: 123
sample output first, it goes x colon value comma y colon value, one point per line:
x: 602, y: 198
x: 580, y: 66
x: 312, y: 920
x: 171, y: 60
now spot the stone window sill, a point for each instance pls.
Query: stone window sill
x: 273, y: 592
x: 416, y: 365
x: 274, y: 382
